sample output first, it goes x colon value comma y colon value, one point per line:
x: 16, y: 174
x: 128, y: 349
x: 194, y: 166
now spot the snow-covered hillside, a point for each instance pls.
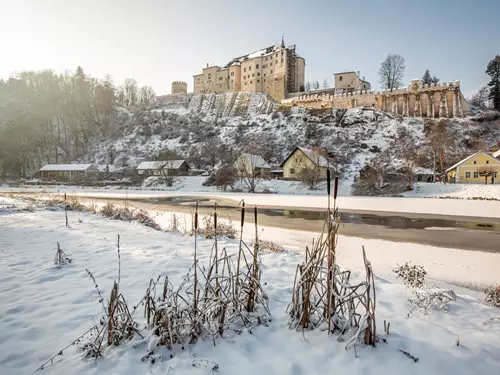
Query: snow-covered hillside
x: 215, y: 128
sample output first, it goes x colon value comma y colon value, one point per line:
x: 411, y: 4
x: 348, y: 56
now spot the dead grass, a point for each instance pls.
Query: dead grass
x: 493, y: 296
x: 127, y: 213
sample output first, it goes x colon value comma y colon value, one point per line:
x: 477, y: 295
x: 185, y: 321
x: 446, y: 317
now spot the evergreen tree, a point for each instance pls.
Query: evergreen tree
x: 493, y: 70
x: 427, y: 78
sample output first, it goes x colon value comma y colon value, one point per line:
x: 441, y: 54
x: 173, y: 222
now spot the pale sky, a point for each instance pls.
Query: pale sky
x: 159, y: 41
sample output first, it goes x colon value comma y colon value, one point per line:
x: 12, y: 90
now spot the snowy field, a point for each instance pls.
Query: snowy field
x: 455, y: 207
x: 456, y: 191
x: 45, y: 307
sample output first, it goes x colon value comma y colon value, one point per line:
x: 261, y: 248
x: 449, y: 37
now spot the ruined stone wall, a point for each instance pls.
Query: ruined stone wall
x: 435, y: 100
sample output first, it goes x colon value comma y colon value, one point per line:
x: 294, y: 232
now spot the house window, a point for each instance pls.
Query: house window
x: 467, y: 174
x: 487, y: 162
x: 474, y: 162
x: 495, y: 174
x: 476, y: 174
x: 256, y: 66
x: 232, y: 81
x: 292, y: 170
x: 340, y: 78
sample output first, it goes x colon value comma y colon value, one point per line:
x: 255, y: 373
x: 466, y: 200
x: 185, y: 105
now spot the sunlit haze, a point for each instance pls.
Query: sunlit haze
x: 157, y: 42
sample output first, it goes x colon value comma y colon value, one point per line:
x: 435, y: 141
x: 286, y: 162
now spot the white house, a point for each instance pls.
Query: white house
x: 251, y: 165
x: 69, y: 172
x: 157, y: 168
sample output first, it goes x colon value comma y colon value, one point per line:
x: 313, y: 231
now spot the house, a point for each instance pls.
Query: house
x: 348, y: 82
x: 69, y: 172
x: 496, y: 154
x: 251, y: 165
x: 477, y: 168
x: 158, y: 168
x: 302, y: 159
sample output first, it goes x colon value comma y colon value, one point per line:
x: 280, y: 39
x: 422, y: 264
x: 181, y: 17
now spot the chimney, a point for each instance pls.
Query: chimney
x: 207, y: 65
x: 358, y: 73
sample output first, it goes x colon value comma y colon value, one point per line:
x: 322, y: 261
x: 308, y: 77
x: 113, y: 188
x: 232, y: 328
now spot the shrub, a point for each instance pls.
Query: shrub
x: 224, y: 228
x: 269, y: 247
x: 413, y: 275
x: 493, y: 295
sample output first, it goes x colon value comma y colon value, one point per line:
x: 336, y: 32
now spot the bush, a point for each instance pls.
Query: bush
x: 413, y: 275
x: 493, y: 296
x: 128, y: 214
x: 269, y: 247
x: 224, y: 228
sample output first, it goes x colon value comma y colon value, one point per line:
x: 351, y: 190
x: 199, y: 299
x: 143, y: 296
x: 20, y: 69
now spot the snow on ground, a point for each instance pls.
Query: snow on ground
x: 474, y: 208
x: 459, y: 191
x: 45, y: 307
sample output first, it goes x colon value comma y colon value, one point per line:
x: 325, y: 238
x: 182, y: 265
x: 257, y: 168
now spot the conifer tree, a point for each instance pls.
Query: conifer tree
x: 427, y: 78
x: 493, y: 70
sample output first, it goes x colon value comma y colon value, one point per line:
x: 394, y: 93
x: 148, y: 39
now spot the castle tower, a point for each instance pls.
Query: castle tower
x: 179, y: 87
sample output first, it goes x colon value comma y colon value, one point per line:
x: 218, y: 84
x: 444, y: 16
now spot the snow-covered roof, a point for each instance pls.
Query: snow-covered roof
x: 421, y: 170
x: 315, y: 157
x: 464, y: 160
x: 255, y: 160
x: 262, y: 52
x: 169, y: 164
x: 496, y: 154
x: 66, y: 167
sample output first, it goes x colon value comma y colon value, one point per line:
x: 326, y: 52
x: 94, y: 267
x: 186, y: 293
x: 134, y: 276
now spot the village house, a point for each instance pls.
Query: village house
x: 477, y: 168
x: 303, y: 159
x: 347, y: 82
x: 166, y: 167
x: 251, y: 165
x: 68, y: 172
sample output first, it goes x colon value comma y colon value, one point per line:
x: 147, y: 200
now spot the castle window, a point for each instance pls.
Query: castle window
x: 245, y: 69
x: 249, y: 68
x: 271, y: 63
x: 256, y: 66
x: 340, y: 78
x: 253, y: 74
x: 244, y: 77
x: 258, y: 74
x: 282, y: 60
x: 281, y: 53
x: 271, y: 72
x: 276, y: 80
x: 264, y: 74
x: 258, y: 81
x: 232, y: 74
x: 251, y: 82
x: 266, y: 58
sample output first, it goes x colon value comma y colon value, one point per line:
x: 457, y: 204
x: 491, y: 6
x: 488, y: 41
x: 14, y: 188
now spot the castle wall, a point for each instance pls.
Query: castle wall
x: 435, y: 100
x: 179, y: 87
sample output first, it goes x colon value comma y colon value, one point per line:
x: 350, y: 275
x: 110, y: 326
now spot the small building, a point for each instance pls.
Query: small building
x: 424, y: 174
x: 158, y: 168
x: 305, y: 159
x: 347, y: 82
x: 496, y: 154
x: 478, y: 168
x: 251, y: 165
x: 69, y: 172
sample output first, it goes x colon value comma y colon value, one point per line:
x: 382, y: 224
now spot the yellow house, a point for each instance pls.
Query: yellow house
x: 303, y: 160
x: 478, y: 168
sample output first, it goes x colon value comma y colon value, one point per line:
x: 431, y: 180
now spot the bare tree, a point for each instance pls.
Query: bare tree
x: 250, y: 170
x: 311, y: 172
x: 225, y: 177
x: 487, y: 172
x: 392, y: 71
x: 439, y: 141
x: 480, y: 99
x: 169, y: 173
x: 147, y: 95
x: 120, y: 96
x: 130, y: 88
x: 325, y: 83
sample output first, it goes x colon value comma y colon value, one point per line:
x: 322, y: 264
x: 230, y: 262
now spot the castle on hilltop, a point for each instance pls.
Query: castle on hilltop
x: 277, y: 70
